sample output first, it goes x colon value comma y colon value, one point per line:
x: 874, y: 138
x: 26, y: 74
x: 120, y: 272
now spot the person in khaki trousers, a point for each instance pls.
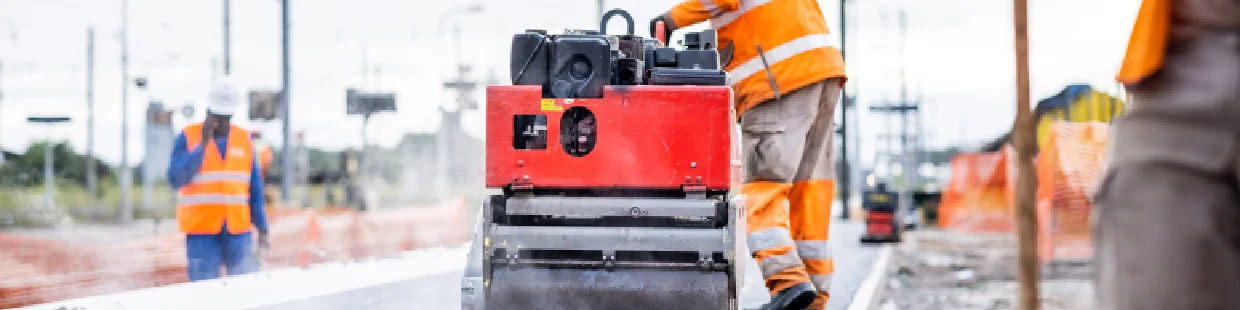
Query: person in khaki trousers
x: 1167, y: 216
x: 786, y: 72
x: 788, y: 142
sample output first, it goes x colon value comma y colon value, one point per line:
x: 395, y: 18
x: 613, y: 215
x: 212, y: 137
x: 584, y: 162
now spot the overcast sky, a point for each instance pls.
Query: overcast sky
x: 958, y: 59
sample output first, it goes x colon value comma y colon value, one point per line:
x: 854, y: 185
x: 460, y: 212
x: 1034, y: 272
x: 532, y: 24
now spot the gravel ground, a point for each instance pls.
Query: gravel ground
x: 935, y: 269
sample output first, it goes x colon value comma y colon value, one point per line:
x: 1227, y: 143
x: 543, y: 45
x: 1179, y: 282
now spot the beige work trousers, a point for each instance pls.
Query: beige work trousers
x: 790, y: 185
x: 1167, y: 215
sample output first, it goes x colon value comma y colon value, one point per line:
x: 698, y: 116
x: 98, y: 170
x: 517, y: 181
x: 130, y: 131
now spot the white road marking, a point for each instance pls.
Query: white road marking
x: 865, y: 294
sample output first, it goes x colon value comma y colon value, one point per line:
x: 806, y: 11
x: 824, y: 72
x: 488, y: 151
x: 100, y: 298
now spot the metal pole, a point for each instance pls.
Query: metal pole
x: 845, y: 175
x: 147, y: 186
x: 365, y: 66
x: 364, y: 160
x: 227, y: 38
x: 602, y: 4
x: 1026, y: 180
x: 126, y: 180
x: 48, y: 202
x: 1, y: 100
x: 906, y: 153
x: 92, y: 177
x: 286, y: 157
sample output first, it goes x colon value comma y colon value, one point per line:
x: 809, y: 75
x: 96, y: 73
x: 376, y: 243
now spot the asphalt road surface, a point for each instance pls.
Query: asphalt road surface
x: 853, y: 262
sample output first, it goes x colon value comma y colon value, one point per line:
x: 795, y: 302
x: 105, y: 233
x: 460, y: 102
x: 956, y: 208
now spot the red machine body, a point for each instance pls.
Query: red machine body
x: 645, y: 137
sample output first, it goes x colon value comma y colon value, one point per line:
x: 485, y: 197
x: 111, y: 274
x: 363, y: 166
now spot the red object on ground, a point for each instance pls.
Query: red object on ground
x: 645, y: 137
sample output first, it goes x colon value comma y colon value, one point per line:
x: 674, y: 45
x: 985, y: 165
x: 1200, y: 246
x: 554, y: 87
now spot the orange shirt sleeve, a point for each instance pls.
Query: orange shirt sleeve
x: 691, y: 12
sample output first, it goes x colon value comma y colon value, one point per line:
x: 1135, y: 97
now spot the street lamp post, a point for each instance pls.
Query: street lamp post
x: 447, y: 15
x: 126, y: 212
x: 441, y: 143
x: 48, y: 175
x: 286, y: 157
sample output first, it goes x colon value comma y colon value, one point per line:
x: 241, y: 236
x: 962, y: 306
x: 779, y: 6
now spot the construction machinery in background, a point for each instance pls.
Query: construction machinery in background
x: 882, y: 221
x: 613, y: 156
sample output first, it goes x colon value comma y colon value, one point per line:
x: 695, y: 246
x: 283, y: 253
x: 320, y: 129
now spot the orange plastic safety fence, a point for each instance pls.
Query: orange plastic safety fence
x: 979, y: 196
x: 35, y: 271
x: 1069, y: 167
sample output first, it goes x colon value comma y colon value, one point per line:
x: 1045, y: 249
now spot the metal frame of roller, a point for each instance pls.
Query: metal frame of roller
x: 531, y: 252
x: 614, y: 157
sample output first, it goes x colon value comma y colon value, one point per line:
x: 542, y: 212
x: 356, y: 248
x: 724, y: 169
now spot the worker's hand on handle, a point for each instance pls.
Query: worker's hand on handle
x: 663, y: 31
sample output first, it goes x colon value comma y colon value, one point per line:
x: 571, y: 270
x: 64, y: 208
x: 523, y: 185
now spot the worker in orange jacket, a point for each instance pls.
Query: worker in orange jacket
x: 786, y: 109
x: 1168, y: 209
x: 219, y: 191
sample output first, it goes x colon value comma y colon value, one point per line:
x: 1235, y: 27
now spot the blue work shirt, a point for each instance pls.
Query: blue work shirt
x: 185, y: 165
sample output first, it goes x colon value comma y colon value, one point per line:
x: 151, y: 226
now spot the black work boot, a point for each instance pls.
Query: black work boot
x: 796, y: 297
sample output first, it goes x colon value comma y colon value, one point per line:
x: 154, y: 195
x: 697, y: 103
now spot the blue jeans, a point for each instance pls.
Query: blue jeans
x: 206, y: 253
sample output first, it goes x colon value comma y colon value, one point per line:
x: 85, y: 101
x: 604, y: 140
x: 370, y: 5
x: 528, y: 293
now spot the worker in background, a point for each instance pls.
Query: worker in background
x: 263, y: 150
x: 219, y: 191
x: 786, y: 112
x: 1168, y: 209
x: 265, y: 158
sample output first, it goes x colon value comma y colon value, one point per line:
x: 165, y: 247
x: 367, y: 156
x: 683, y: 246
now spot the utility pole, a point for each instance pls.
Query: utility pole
x: 845, y: 173
x: 1026, y: 182
x: 907, y: 154
x: 1, y: 101
x: 227, y: 38
x: 92, y: 177
x: 126, y: 213
x: 286, y: 157
x: 364, y: 159
x: 365, y: 67
x: 451, y: 157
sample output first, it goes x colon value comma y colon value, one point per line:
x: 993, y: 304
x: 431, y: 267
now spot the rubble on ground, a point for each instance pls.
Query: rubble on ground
x: 933, y: 269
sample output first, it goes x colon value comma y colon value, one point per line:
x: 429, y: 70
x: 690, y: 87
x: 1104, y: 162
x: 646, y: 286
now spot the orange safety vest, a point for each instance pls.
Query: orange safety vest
x: 220, y: 191
x: 1147, y: 47
x: 792, y: 33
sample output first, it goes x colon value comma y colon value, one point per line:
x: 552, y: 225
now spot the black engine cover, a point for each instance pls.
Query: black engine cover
x: 580, y: 67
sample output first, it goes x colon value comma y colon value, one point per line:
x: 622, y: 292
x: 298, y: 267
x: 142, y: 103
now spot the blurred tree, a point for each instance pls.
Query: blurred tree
x: 27, y: 169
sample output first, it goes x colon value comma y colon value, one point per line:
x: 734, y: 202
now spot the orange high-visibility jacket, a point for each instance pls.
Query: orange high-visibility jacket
x: 221, y: 190
x: 792, y: 33
x: 1147, y: 46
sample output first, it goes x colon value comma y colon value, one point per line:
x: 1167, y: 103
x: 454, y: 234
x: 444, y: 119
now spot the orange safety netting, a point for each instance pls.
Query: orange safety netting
x: 36, y: 271
x: 979, y: 196
x: 1069, y: 167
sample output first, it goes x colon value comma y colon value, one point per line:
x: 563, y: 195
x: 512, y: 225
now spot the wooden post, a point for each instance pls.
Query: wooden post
x: 1023, y: 133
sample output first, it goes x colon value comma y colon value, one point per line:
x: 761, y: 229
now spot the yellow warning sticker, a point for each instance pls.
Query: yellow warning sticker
x: 549, y: 105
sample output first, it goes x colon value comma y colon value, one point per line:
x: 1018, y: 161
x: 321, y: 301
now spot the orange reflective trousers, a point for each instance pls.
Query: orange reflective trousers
x: 789, y: 186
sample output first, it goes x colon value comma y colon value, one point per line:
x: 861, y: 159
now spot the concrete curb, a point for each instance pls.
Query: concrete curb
x: 871, y: 291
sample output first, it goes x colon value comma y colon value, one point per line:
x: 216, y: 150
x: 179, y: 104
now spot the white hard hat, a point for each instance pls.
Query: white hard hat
x: 224, y: 97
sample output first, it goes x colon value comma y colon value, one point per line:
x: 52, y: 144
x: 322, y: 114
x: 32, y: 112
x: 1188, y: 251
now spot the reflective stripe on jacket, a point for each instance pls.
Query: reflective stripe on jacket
x: 792, y: 33
x: 220, y: 191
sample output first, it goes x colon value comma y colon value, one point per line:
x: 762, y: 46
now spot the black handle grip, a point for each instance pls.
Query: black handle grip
x: 602, y: 27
